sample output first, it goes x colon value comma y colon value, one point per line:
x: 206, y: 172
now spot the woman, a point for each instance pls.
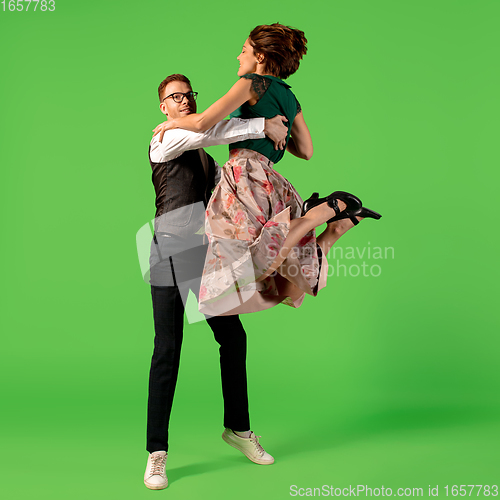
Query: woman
x: 256, y: 221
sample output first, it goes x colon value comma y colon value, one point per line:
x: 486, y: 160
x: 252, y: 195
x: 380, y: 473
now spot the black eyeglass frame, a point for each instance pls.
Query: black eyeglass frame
x: 194, y: 95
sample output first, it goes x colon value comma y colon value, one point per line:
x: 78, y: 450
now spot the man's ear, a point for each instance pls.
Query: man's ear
x: 163, y: 108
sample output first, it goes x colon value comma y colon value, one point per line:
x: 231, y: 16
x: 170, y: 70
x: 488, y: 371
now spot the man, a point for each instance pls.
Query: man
x: 183, y: 177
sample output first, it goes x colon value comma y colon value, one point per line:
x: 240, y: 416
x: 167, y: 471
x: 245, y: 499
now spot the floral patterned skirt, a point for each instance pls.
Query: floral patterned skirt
x: 247, y: 221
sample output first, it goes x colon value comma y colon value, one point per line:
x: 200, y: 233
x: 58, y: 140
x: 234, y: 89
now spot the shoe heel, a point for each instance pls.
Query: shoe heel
x: 366, y: 212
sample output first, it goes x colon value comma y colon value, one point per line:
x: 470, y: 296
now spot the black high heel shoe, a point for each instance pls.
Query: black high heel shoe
x: 352, y: 202
x: 351, y: 214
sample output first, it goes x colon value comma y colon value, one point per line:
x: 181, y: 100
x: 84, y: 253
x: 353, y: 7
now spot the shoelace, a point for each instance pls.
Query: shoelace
x: 157, y: 464
x: 258, y: 446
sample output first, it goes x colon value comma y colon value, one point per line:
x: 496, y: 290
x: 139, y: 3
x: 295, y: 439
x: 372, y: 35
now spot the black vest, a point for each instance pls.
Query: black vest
x: 182, y: 193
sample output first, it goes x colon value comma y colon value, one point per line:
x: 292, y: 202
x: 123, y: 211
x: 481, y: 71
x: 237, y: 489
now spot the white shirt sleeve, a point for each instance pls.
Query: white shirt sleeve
x: 177, y: 141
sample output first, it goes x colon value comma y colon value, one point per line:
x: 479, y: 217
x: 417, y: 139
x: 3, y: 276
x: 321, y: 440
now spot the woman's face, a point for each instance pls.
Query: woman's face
x: 248, y: 60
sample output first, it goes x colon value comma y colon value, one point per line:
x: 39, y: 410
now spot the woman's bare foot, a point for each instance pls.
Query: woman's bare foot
x: 321, y: 213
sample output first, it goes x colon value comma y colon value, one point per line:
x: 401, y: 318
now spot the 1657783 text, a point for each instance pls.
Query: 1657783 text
x: 24, y: 5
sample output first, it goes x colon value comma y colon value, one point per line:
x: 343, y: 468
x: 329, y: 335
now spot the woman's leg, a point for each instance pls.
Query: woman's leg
x: 301, y: 226
x: 333, y: 232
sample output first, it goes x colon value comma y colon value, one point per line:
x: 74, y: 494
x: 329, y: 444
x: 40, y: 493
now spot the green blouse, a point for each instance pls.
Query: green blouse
x: 275, y: 98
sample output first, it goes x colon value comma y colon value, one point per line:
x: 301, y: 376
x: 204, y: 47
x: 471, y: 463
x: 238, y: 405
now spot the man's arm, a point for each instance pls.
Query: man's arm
x: 177, y: 141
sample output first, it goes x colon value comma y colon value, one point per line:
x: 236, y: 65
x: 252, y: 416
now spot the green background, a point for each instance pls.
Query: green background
x: 390, y: 380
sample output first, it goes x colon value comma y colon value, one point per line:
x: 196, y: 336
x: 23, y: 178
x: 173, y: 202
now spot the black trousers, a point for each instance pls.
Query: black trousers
x: 168, y: 313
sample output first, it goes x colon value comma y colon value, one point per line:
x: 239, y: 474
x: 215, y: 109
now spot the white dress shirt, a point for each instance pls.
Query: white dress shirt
x: 177, y: 141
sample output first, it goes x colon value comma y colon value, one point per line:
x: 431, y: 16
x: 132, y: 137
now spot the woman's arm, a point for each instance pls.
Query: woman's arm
x: 300, y: 142
x: 238, y: 94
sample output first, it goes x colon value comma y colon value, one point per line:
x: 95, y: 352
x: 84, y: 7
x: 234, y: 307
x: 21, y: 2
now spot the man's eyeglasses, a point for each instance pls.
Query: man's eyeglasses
x: 179, y: 96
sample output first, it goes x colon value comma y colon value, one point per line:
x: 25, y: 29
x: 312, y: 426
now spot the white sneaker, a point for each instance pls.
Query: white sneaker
x: 155, y: 477
x: 250, y: 447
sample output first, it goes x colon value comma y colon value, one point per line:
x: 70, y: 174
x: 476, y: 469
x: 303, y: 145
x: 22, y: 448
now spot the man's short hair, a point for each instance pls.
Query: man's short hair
x: 172, y: 78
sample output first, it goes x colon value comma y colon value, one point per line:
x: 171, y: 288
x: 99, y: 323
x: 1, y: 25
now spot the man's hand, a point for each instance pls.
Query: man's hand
x: 163, y: 127
x: 276, y: 131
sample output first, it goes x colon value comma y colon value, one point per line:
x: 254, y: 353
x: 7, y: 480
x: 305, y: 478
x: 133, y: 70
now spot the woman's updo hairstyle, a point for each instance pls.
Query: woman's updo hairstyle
x: 282, y: 47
